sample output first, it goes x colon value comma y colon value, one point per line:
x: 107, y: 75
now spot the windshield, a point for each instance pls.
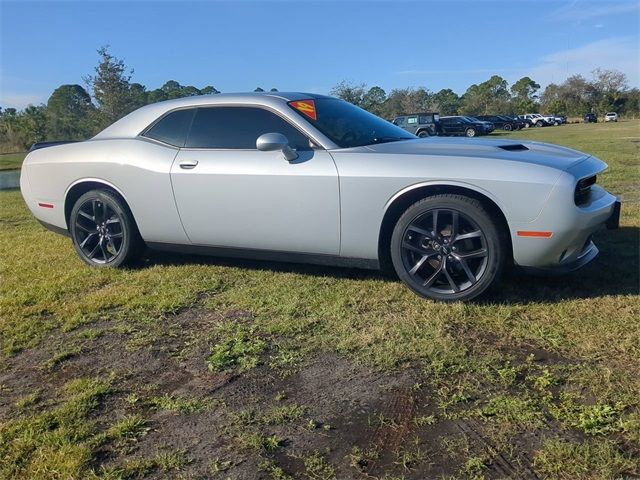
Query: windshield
x: 349, y: 126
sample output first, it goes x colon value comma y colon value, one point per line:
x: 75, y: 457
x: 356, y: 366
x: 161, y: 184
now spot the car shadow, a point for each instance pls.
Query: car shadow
x: 616, y: 271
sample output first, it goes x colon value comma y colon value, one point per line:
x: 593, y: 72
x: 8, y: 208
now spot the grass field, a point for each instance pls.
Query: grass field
x: 191, y: 367
x: 11, y: 161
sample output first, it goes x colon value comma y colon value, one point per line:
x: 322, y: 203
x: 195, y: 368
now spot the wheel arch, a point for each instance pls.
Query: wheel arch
x: 402, y: 200
x: 80, y: 187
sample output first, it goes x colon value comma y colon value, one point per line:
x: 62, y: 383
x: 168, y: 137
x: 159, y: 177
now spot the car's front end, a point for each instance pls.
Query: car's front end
x: 488, y: 126
x: 559, y: 239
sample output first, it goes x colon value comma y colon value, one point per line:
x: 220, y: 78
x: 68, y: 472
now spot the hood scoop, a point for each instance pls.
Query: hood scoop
x: 513, y: 147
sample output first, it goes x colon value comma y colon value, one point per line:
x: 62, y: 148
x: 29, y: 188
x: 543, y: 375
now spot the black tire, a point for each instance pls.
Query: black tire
x: 508, y: 127
x: 428, y: 263
x: 423, y: 134
x: 103, y: 230
x: 470, y: 132
x: 539, y: 124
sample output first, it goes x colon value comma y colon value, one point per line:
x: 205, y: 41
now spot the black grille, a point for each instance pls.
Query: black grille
x: 583, y: 188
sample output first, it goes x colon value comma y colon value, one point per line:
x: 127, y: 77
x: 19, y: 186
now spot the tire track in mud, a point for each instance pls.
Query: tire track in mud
x: 395, y: 419
x: 499, y: 463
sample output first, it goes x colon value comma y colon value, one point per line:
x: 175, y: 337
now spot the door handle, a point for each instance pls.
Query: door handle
x: 188, y: 164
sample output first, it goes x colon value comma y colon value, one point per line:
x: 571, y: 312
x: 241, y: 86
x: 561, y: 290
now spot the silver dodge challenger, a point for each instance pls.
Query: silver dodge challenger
x: 309, y: 178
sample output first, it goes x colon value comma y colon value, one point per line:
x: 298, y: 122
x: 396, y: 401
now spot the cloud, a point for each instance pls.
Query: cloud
x: 21, y: 100
x: 620, y: 53
x: 579, y: 11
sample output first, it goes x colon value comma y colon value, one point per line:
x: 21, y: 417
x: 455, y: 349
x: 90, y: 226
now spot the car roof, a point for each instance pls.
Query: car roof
x: 135, y: 122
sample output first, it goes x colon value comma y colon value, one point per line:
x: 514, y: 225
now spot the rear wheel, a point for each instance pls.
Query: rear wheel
x: 508, y: 127
x: 423, y: 134
x: 446, y: 247
x: 539, y: 124
x: 103, y: 231
x: 470, y: 132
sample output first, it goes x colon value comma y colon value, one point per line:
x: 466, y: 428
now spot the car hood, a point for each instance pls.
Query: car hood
x: 539, y: 153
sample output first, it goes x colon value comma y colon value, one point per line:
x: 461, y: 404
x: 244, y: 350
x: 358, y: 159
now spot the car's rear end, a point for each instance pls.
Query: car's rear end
x: 39, y: 185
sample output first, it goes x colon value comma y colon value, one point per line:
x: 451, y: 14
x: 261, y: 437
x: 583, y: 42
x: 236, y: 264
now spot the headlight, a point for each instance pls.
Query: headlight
x: 583, y: 188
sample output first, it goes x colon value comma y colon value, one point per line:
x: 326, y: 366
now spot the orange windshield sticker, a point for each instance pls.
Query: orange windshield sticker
x: 308, y: 107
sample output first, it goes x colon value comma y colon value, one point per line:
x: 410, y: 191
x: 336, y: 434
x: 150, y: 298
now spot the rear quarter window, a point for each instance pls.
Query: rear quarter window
x: 172, y: 128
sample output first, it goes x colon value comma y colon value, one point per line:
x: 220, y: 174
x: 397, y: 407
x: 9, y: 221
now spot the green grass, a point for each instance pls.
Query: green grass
x: 177, y: 404
x: 57, y: 443
x: 11, y: 161
x: 468, y: 352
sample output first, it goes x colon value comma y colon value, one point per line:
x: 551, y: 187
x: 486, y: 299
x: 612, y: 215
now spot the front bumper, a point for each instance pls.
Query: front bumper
x: 613, y: 222
x: 589, y: 254
x: 586, y: 256
x: 567, y: 244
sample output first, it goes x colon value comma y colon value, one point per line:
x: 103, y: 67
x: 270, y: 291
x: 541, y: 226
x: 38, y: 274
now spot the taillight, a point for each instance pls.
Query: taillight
x: 583, y: 188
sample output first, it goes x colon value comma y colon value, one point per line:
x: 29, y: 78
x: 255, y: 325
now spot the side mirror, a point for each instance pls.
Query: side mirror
x: 270, y: 142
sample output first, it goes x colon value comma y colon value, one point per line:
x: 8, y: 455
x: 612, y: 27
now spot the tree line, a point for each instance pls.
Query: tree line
x: 606, y: 91
x: 74, y: 112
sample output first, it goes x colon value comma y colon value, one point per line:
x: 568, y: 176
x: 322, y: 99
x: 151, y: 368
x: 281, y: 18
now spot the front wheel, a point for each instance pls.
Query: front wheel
x: 470, y: 132
x: 539, y: 124
x: 103, y: 231
x: 423, y: 134
x: 508, y: 127
x: 447, y: 247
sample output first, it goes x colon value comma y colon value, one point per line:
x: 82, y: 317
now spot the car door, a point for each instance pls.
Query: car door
x: 229, y: 194
x: 412, y: 124
x: 457, y: 126
x: 401, y: 122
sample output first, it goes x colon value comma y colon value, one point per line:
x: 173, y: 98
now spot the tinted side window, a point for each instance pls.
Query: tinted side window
x: 239, y: 128
x: 173, y: 128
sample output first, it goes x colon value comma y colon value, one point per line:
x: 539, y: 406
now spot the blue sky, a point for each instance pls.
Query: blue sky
x: 312, y: 45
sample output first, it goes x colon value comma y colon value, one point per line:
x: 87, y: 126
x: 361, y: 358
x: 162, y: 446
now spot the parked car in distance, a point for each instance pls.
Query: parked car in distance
x: 561, y: 119
x: 590, y: 118
x: 461, y: 126
x: 488, y: 126
x: 551, y: 120
x: 499, y: 121
x: 420, y: 124
x: 518, y: 123
x: 313, y: 179
x: 611, y: 117
x: 526, y: 123
x: 536, y: 119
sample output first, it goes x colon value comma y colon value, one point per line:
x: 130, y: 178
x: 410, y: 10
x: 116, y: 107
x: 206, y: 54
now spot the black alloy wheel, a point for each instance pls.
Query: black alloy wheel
x: 446, y: 247
x: 103, y: 231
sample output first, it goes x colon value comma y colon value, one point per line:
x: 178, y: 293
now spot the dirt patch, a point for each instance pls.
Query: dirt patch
x: 352, y: 421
